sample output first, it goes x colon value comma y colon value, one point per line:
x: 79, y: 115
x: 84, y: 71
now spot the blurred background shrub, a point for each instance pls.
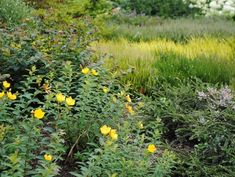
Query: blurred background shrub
x: 164, y: 8
x: 12, y: 11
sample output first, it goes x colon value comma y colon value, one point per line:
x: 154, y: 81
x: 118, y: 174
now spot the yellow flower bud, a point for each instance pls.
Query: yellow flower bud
x: 128, y: 98
x: 140, y: 125
x: 105, y: 89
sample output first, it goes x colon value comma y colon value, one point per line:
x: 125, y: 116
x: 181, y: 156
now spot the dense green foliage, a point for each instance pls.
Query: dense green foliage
x: 12, y: 11
x: 212, y: 70
x: 164, y: 8
x: 148, y: 28
x: 199, y: 123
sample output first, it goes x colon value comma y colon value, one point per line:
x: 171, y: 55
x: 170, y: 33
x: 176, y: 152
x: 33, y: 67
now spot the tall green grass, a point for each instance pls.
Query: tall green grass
x: 143, y: 63
x: 139, y: 28
x: 173, y: 67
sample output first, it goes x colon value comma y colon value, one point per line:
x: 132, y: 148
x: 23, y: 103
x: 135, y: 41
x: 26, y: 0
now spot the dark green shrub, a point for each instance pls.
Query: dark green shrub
x: 165, y: 8
x: 199, y: 121
x: 53, y: 35
x: 149, y: 28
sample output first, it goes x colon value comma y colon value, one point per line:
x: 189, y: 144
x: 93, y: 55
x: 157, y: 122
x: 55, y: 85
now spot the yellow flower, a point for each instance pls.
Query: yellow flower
x: 151, y: 148
x: 128, y: 98
x: 60, y: 97
x: 16, y: 46
x: 114, y: 99
x: 94, y: 72
x: 6, y: 84
x: 105, y: 89
x: 114, y: 175
x: 2, y: 94
x: 140, y: 125
x: 70, y: 101
x: 11, y: 96
x: 130, y: 109
x: 48, y: 157
x: 122, y: 93
x: 113, y: 134
x: 105, y: 129
x: 85, y: 70
x: 39, y: 113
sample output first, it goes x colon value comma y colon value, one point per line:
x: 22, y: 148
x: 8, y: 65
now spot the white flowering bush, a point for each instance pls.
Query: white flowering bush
x: 215, y: 7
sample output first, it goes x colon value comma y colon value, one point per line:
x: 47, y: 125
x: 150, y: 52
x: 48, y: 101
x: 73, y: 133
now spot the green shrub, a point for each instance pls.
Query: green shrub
x: 198, y: 119
x: 54, y: 37
x: 12, y: 11
x: 129, y: 155
x: 35, y: 122
x: 165, y: 8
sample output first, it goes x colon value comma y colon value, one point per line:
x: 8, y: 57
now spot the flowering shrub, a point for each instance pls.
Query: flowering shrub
x: 61, y: 112
x: 132, y: 154
x: 198, y: 120
x: 215, y: 7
